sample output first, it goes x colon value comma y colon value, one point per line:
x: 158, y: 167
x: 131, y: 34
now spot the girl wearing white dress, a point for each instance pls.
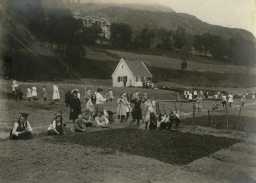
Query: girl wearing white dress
x: 56, y: 93
x: 29, y: 94
x: 34, y: 93
x: 230, y: 100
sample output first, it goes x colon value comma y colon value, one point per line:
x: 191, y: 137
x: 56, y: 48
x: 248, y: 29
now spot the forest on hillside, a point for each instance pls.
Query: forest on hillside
x: 66, y: 38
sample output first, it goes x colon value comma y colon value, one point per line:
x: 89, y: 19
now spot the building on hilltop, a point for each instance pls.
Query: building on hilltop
x: 103, y: 23
x: 131, y: 74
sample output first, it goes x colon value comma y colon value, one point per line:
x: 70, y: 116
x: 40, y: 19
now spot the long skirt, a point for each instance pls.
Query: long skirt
x: 137, y: 114
x: 99, y: 108
x: 73, y: 115
x: 23, y: 136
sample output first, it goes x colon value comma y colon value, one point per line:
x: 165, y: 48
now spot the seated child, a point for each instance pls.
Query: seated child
x: 21, y: 128
x: 102, y: 120
x: 88, y: 119
x: 56, y: 127
x: 164, y: 121
x: 153, y: 121
x: 80, y: 124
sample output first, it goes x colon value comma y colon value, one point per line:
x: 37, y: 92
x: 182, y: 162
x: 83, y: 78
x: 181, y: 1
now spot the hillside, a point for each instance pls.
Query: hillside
x: 88, y: 6
x: 139, y: 18
x: 34, y: 60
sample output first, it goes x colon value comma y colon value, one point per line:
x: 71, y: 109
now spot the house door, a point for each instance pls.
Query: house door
x: 125, y: 80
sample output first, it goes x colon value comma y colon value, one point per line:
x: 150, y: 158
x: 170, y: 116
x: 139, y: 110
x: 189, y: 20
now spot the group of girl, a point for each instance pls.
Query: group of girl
x: 23, y: 130
x: 145, y: 110
x: 32, y: 93
x: 140, y: 106
x: 193, y: 94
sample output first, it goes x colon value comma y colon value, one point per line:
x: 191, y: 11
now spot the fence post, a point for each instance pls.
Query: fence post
x: 209, y: 117
x: 227, y: 122
x: 239, y: 116
x: 194, y: 113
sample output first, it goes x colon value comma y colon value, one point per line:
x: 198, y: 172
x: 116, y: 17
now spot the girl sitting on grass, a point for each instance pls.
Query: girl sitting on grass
x: 56, y: 127
x: 102, y: 120
x: 21, y: 129
x: 163, y: 121
x: 80, y: 124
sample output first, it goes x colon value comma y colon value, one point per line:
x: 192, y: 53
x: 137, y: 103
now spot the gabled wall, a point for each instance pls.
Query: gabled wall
x: 121, y: 70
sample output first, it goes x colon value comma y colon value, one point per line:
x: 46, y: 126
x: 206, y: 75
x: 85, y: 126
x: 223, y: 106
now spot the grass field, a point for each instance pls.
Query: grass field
x: 115, y: 155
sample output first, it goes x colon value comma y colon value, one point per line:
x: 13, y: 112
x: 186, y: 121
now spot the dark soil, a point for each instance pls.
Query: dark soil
x: 170, y: 147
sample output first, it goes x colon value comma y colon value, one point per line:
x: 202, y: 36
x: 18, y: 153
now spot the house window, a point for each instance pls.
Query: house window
x: 119, y: 79
x: 137, y: 79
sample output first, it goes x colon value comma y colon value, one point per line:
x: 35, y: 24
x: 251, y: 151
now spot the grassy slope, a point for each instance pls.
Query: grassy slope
x: 100, y: 64
x: 199, y: 73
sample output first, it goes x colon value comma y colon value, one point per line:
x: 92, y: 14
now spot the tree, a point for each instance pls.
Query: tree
x: 180, y: 38
x: 165, y: 39
x: 121, y: 35
x: 242, y: 51
x: 90, y: 35
x: 185, y: 56
x: 145, y: 38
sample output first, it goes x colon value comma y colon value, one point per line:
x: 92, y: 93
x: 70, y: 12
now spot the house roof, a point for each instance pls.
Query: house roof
x: 138, y: 68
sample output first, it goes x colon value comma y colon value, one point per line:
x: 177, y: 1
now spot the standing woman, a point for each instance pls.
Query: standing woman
x: 75, y: 106
x: 122, y: 107
x: 56, y: 93
x: 21, y: 128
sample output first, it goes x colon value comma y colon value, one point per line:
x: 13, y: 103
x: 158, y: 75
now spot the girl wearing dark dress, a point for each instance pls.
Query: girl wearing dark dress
x: 21, y: 129
x: 137, y: 111
x: 75, y: 106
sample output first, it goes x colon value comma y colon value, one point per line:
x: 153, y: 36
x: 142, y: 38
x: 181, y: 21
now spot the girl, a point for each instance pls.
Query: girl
x: 148, y: 109
x: 29, y: 94
x: 75, y: 106
x: 56, y: 127
x: 102, y: 120
x: 163, y: 121
x: 122, y: 107
x: 80, y: 124
x: 136, y: 110
x: 91, y: 105
x: 56, y: 93
x: 100, y: 100
x: 34, y: 93
x: 21, y: 129
x: 230, y: 100
x: 44, y: 94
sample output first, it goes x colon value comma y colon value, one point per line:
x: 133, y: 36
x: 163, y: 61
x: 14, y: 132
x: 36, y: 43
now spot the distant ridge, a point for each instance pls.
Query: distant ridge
x: 139, y: 16
x: 133, y: 6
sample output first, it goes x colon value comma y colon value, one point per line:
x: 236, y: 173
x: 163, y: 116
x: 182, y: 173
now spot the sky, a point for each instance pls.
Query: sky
x: 230, y: 13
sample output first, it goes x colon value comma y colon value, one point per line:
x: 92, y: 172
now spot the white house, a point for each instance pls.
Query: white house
x: 130, y: 73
